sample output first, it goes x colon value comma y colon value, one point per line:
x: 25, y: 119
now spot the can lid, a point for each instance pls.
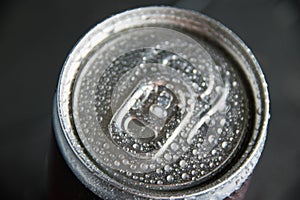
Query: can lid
x: 159, y: 102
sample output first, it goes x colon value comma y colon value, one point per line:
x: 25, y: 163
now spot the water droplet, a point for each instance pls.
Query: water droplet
x: 117, y: 163
x: 167, y: 168
x: 170, y: 178
x: 211, y: 139
x: 106, y: 146
x: 125, y: 162
x: 182, y: 163
x: 185, y: 176
x: 174, y: 146
x: 195, y: 152
x: 213, y: 152
x: 133, y: 166
x: 144, y: 166
x: 168, y: 156
x: 152, y: 166
x: 135, y: 146
x: 219, y: 130
x: 224, y: 144
x: 222, y: 122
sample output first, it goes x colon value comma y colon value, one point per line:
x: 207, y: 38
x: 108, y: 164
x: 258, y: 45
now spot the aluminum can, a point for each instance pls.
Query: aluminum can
x: 161, y: 103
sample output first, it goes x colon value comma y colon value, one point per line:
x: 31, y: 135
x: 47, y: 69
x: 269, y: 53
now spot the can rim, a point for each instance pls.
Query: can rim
x: 102, y: 31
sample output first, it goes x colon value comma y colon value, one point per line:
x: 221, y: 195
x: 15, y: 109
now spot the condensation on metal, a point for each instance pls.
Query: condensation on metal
x: 148, y: 107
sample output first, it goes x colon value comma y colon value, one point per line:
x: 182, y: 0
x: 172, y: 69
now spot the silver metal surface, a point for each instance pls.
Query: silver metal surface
x: 162, y: 103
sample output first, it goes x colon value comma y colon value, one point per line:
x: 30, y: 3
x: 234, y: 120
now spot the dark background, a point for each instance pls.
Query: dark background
x: 36, y: 37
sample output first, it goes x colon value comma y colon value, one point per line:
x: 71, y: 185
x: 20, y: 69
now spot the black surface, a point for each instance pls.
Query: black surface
x: 36, y: 36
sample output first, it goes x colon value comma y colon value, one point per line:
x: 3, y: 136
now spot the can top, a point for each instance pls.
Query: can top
x: 159, y: 102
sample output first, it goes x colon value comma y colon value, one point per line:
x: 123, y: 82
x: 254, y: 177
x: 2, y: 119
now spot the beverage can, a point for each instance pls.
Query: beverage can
x: 161, y: 103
